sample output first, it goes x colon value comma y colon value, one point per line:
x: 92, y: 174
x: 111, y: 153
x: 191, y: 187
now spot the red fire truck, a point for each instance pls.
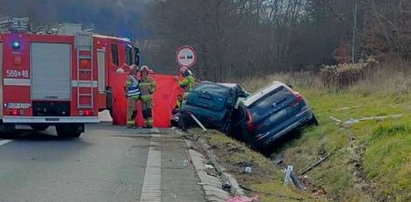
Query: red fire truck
x: 59, y: 79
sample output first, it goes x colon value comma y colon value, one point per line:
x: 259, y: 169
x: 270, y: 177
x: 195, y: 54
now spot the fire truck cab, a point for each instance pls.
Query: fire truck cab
x: 60, y: 79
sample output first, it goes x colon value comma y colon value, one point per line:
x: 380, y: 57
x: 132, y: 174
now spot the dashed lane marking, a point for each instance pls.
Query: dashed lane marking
x: 3, y: 142
x: 152, y: 178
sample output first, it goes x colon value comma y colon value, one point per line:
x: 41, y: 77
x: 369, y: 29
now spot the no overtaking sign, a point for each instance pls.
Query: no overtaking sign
x: 186, y: 56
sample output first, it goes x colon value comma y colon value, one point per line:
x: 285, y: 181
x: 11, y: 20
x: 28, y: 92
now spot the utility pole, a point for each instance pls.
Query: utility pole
x: 354, y: 32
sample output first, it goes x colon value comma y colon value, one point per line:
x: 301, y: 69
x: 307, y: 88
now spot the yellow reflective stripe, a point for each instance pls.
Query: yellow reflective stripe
x: 149, y: 122
x: 146, y: 98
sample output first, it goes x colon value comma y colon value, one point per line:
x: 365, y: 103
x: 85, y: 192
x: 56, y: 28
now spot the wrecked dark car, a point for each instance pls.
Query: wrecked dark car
x: 271, y: 113
x: 212, y: 104
x: 259, y: 119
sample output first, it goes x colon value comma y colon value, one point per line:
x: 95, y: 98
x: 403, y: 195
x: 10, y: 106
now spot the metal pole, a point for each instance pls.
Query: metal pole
x: 198, y: 122
x: 354, y: 33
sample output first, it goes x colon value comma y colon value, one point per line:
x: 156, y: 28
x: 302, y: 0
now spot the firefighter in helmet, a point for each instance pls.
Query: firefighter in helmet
x: 186, y: 84
x: 147, y: 88
x: 133, y: 93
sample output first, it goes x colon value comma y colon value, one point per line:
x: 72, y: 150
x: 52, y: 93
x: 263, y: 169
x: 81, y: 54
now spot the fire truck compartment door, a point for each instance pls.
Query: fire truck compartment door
x: 50, y: 67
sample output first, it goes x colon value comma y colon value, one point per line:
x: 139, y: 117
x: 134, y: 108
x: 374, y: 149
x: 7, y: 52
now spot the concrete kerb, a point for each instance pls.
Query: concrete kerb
x: 235, y: 190
x: 211, y: 185
x: 199, y: 163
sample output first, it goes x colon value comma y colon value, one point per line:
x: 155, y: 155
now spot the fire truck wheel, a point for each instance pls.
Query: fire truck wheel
x: 7, y: 130
x: 39, y: 127
x: 70, y: 130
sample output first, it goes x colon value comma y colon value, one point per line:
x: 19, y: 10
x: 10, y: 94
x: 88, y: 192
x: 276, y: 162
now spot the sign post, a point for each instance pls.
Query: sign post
x: 186, y: 56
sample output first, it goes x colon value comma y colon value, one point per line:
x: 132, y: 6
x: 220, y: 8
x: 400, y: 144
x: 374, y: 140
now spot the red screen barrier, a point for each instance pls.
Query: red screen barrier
x: 164, y: 100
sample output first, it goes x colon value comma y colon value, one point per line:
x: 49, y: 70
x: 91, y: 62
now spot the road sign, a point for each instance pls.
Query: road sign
x: 186, y: 56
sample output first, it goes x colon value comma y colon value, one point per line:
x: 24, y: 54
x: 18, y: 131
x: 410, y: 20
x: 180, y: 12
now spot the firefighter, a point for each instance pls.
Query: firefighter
x: 147, y: 88
x: 133, y: 94
x: 188, y: 81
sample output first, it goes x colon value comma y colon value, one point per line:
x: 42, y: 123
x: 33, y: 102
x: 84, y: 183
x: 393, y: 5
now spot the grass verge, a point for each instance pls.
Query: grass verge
x: 265, y: 180
x: 370, y: 160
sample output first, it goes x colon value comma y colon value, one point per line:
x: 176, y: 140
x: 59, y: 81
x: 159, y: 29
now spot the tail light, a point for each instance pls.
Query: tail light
x: 250, y: 123
x: 14, y: 112
x: 86, y: 113
x: 298, y: 99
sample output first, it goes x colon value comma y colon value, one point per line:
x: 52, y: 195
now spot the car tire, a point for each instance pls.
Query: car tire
x: 313, y: 121
x: 227, y: 128
x: 69, y: 130
x: 246, y: 137
x: 39, y: 128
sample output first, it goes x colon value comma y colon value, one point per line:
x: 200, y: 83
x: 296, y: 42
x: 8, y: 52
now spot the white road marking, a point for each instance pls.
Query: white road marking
x: 152, y: 178
x: 3, y: 142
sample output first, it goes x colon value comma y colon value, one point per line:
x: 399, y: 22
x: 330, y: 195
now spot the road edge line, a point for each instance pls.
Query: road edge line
x: 3, y: 142
x: 151, y: 191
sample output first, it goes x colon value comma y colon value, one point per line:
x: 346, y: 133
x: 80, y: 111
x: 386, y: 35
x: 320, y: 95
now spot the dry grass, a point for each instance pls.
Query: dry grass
x: 295, y: 79
x: 391, y: 77
x: 339, y: 77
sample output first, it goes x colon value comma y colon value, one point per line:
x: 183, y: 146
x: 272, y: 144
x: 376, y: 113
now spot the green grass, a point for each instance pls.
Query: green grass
x: 385, y: 163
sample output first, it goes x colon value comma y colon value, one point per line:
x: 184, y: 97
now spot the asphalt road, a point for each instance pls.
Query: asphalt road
x: 108, y: 163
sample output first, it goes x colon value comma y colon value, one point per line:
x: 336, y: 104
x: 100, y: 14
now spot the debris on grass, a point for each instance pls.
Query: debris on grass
x: 278, y: 159
x: 353, y: 120
x: 243, y: 199
x: 291, y: 177
x: 316, y: 164
x: 347, y: 108
x: 247, y: 169
x: 336, y: 120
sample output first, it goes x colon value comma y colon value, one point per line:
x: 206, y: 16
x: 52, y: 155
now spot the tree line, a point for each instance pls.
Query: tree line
x: 239, y: 38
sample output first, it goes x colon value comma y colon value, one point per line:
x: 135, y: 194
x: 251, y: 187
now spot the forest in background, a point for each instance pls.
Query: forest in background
x: 240, y: 38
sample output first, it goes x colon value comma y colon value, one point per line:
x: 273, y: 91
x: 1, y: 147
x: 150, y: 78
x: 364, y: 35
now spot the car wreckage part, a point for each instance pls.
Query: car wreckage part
x: 198, y: 122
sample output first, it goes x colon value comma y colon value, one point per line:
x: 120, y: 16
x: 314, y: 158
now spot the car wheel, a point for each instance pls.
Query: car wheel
x: 313, y: 121
x: 39, y: 127
x: 248, y: 139
x: 227, y: 128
